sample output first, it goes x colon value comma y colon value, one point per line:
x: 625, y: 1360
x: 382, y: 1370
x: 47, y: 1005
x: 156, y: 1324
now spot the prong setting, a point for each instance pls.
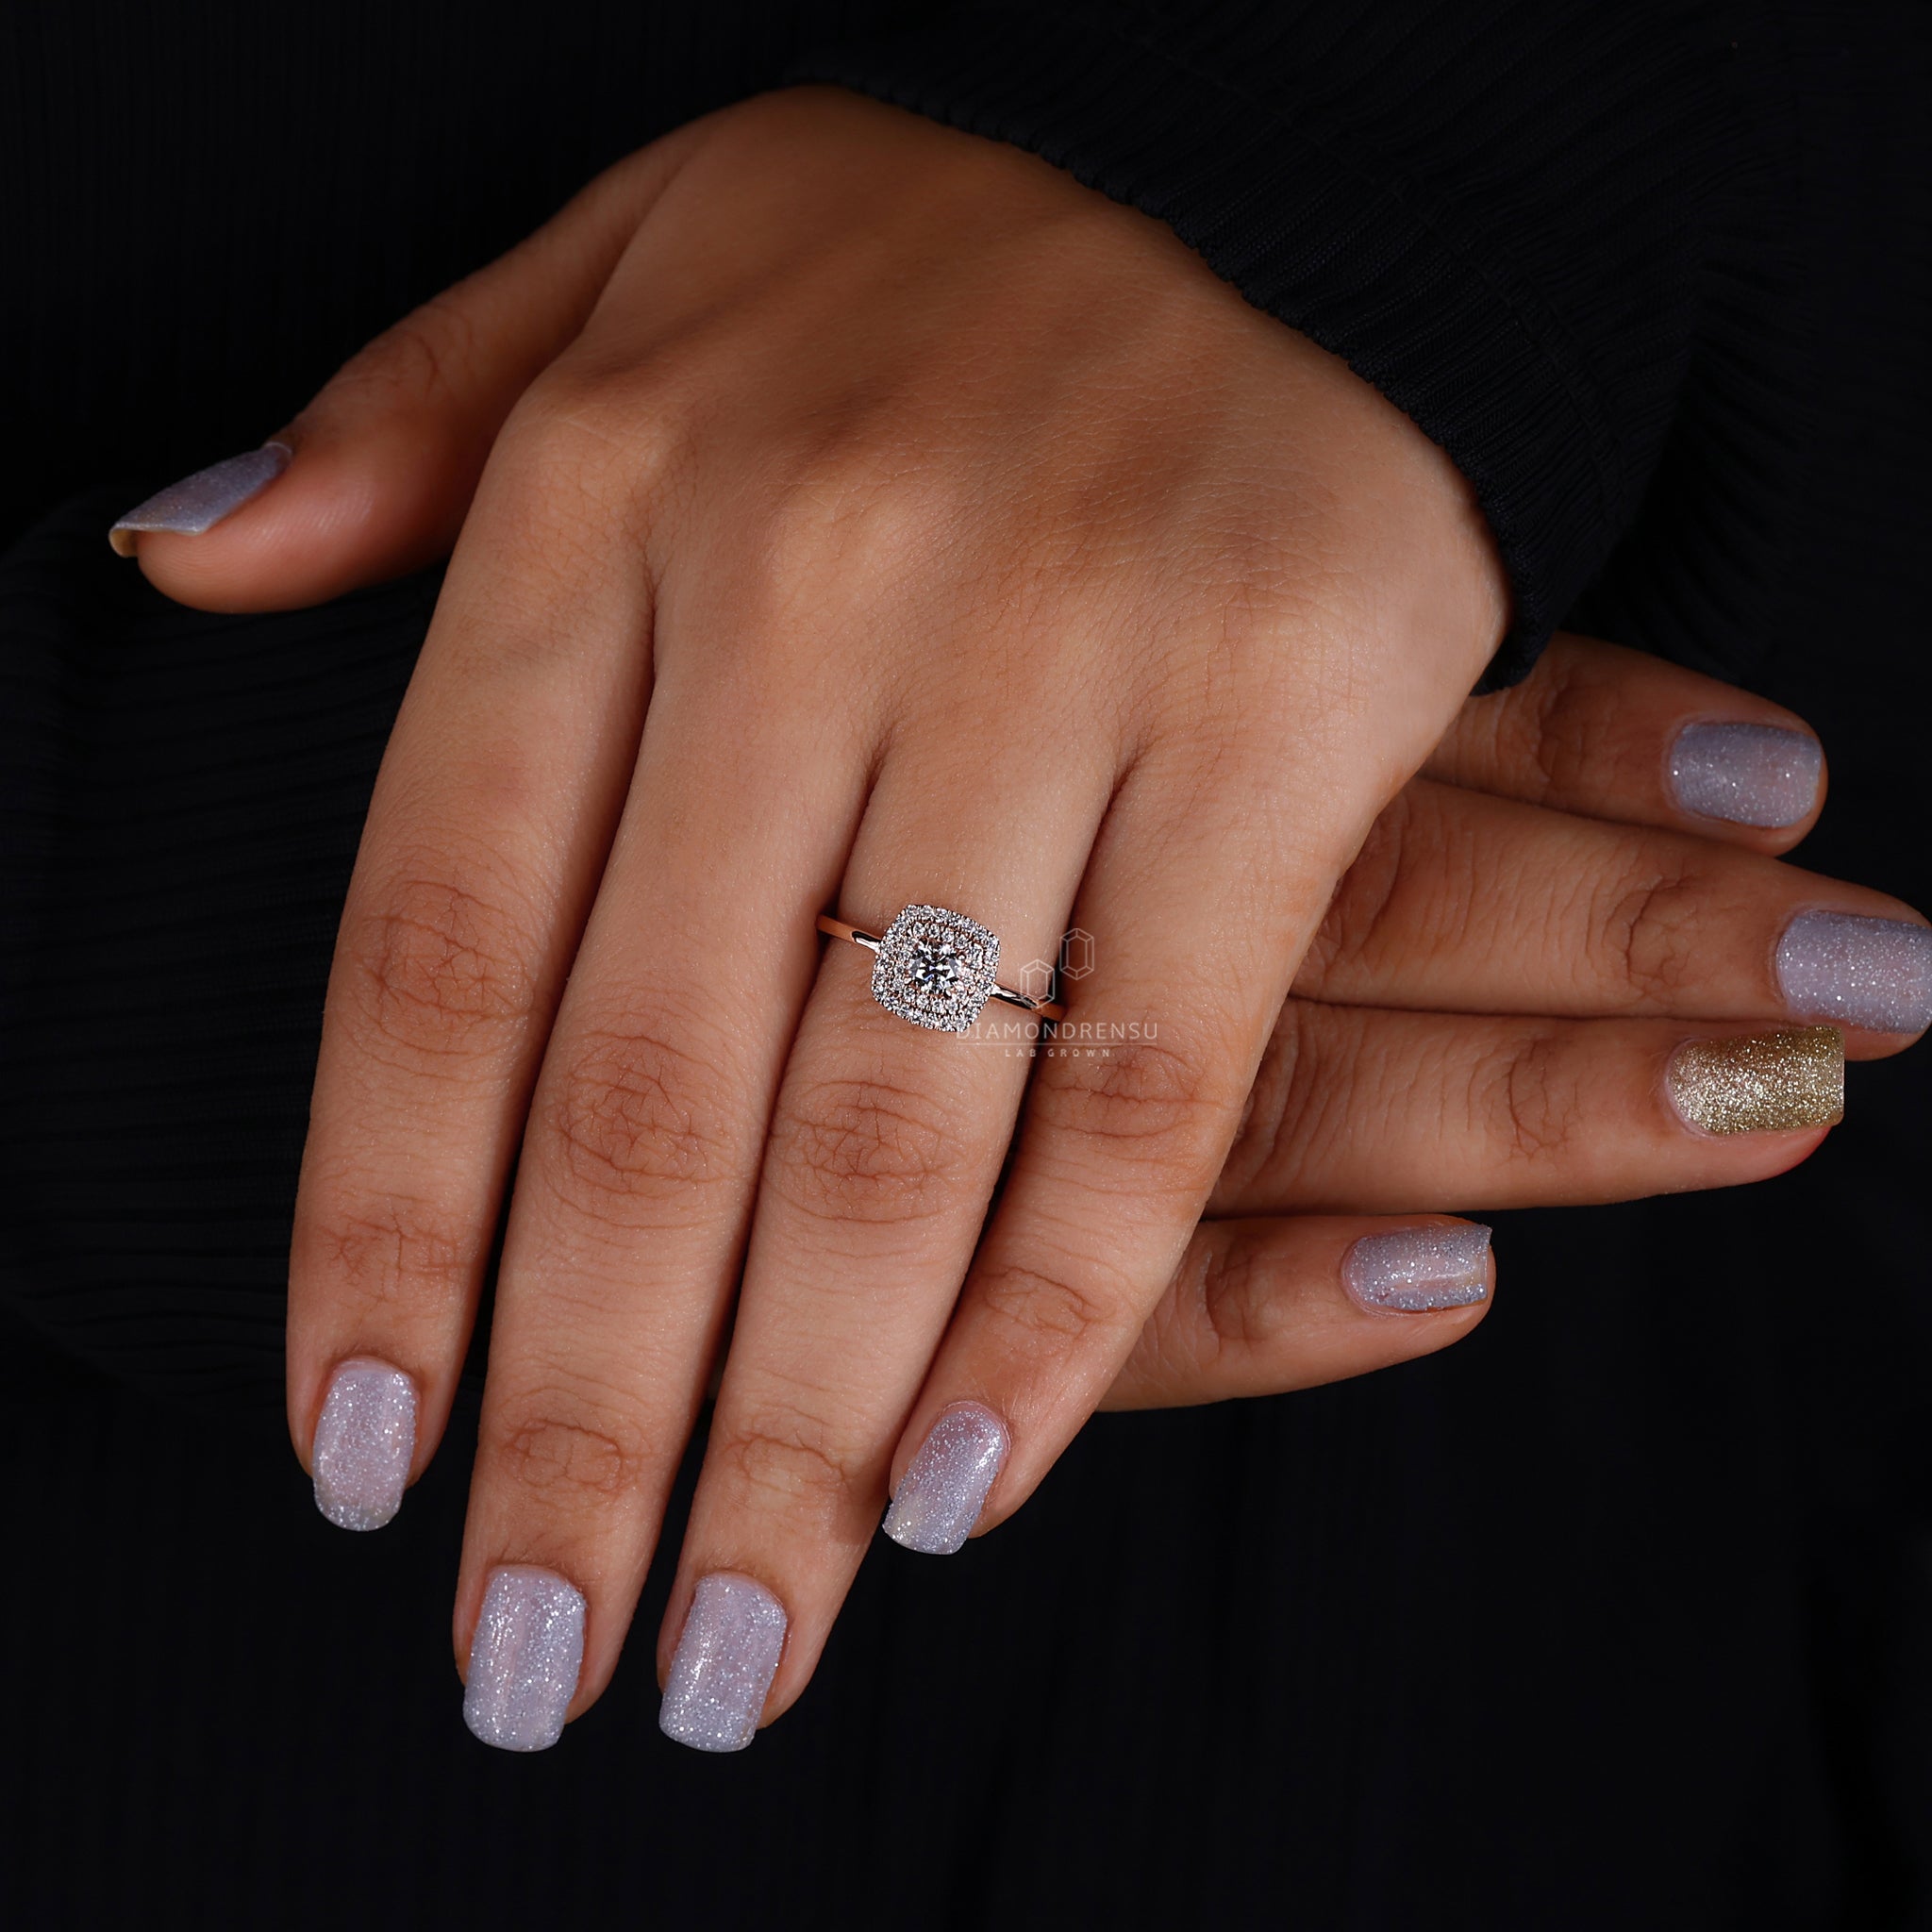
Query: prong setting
x: 936, y: 968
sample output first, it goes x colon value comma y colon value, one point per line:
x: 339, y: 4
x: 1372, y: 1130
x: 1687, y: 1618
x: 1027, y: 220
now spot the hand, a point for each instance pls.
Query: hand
x: 904, y: 522
x: 1530, y: 978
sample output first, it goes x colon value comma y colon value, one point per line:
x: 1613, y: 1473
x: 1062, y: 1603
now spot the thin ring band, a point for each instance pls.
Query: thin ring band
x: 872, y: 941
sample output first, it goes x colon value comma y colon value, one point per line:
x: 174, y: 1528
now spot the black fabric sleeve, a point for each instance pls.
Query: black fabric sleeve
x: 1497, y: 211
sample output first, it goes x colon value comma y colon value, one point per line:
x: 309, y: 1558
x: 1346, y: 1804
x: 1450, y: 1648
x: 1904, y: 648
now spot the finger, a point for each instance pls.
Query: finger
x: 886, y: 1145
x: 1466, y: 903
x: 1263, y: 1306
x: 491, y: 815
x: 383, y: 463
x: 1617, y: 734
x: 1360, y: 1111
x: 1133, y: 1104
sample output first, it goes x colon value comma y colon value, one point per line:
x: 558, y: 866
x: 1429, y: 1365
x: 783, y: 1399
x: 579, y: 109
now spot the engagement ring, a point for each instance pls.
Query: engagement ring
x: 937, y: 969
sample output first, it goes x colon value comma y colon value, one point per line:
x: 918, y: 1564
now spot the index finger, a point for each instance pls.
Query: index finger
x: 495, y: 801
x: 1606, y: 732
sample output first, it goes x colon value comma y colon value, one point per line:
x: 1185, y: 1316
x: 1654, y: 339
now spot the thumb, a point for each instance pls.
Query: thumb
x: 374, y: 478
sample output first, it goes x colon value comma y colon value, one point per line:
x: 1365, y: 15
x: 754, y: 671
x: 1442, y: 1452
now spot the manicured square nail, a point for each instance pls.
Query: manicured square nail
x: 1857, y: 971
x: 945, y: 1487
x: 1761, y: 1083
x: 199, y: 502
x: 727, y: 1655
x: 1411, y: 1270
x: 525, y: 1658
x: 1748, y: 775
x: 365, y: 1440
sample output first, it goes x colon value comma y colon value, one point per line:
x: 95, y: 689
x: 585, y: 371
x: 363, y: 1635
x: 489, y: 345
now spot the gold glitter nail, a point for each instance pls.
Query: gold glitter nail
x: 1762, y: 1082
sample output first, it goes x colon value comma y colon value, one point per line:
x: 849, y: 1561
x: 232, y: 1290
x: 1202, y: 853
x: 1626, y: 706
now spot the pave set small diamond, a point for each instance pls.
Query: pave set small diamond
x: 936, y: 968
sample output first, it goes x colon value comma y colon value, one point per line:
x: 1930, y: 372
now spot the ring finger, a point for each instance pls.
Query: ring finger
x: 887, y: 1140
x: 1359, y: 1111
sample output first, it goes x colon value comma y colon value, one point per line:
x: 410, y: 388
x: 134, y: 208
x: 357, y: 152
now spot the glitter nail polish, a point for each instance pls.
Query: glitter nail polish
x: 1762, y: 1082
x: 199, y: 502
x: 1747, y: 775
x: 365, y: 1440
x: 525, y: 1658
x: 1872, y: 973
x: 727, y: 1655
x: 1411, y: 1270
x: 945, y: 1487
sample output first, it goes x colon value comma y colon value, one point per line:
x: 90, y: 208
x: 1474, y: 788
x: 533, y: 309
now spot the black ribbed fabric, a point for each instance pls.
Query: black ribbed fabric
x: 1502, y: 213
x: 1615, y: 1616
x: 1498, y: 213
x: 194, y: 788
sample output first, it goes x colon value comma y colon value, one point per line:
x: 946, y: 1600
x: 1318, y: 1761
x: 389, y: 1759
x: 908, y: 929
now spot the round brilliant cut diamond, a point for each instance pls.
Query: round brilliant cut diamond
x: 933, y: 966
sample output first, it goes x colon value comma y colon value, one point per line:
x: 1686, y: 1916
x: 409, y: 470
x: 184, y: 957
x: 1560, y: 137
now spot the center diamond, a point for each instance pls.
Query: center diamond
x: 933, y: 966
x: 936, y: 968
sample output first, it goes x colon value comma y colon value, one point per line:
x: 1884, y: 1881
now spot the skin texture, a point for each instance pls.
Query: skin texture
x: 850, y: 512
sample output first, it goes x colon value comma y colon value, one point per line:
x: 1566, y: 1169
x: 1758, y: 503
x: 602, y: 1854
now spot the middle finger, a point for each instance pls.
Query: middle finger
x: 1461, y: 902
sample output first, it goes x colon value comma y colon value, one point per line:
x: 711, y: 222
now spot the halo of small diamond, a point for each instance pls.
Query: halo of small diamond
x: 936, y: 968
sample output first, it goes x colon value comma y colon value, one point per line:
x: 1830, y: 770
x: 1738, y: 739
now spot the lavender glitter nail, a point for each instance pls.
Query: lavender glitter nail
x: 945, y: 1487
x: 198, y: 503
x: 728, y: 1656
x: 1857, y: 971
x: 525, y: 1658
x: 364, y: 1444
x: 1747, y: 775
x: 1409, y: 1269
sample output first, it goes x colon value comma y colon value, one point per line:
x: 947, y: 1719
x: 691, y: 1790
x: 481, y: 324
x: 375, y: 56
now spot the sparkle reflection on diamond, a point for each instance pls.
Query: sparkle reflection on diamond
x: 933, y: 967
x: 936, y: 968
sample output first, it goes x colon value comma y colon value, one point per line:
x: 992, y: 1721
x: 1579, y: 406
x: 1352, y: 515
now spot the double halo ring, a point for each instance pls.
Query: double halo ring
x: 937, y: 969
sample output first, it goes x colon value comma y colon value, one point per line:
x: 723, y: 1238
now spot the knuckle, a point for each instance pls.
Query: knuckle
x: 865, y: 1150
x: 1650, y: 931
x: 587, y: 444
x: 564, y: 1445
x: 1526, y: 1100
x: 836, y: 515
x: 426, y: 358
x: 1183, y: 1339
x: 1404, y: 841
x: 1052, y: 1309
x: 438, y: 968
x: 635, y: 1114
x: 1236, y: 1297
x: 1571, y: 730
x: 1556, y: 732
x: 1296, y: 1076
x: 1144, y: 1103
x: 568, y: 469
x: 789, y: 1455
x: 858, y: 493
x: 389, y: 1252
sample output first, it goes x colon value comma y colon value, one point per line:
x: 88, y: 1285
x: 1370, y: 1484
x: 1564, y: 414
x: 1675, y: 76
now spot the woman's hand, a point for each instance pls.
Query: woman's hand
x: 870, y: 516
x: 1584, y: 879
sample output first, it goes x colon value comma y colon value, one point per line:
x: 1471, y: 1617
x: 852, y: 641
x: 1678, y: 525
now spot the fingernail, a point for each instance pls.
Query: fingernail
x: 1750, y: 774
x: 943, y: 1489
x: 1873, y: 972
x: 1412, y: 1269
x: 1762, y: 1082
x: 726, y: 1659
x: 199, y: 502
x: 365, y: 1445
x: 525, y: 1658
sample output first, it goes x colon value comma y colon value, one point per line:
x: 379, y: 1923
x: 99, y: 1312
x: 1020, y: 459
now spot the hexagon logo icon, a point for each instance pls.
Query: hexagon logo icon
x: 1035, y: 980
x: 1077, y: 953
